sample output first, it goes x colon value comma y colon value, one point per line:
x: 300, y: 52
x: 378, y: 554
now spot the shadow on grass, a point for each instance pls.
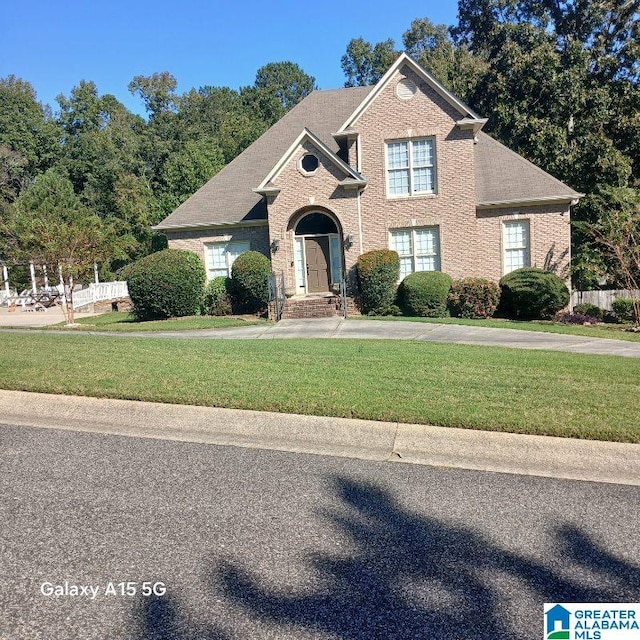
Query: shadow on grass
x: 416, y: 577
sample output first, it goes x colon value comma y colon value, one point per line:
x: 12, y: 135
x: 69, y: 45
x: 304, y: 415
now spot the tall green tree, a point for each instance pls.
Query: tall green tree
x: 364, y: 63
x: 29, y: 137
x: 49, y: 224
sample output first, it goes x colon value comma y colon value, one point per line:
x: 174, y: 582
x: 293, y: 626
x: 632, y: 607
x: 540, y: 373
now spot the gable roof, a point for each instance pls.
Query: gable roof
x: 228, y: 197
x: 307, y: 135
x: 405, y: 60
x: 504, y: 177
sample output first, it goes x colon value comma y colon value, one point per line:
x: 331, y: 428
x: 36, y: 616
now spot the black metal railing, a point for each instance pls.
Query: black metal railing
x: 343, y: 297
x: 277, y: 297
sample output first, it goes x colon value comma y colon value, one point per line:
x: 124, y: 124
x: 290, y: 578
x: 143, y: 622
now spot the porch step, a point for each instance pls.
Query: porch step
x: 326, y: 307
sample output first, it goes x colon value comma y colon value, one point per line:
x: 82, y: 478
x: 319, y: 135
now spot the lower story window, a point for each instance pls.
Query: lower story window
x: 418, y: 248
x: 516, y: 245
x: 219, y: 256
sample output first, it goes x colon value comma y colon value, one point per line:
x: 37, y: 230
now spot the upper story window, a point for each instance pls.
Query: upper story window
x: 516, y: 245
x: 411, y: 168
x: 219, y: 256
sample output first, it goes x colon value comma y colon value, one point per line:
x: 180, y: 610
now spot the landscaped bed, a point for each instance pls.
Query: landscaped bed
x: 489, y: 388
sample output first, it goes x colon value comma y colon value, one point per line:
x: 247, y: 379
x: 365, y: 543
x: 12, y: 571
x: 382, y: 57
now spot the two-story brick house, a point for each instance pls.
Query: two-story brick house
x: 403, y: 165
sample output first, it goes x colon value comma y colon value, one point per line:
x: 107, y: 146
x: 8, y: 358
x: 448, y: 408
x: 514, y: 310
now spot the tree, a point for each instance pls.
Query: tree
x: 365, y: 64
x: 286, y: 81
x: 186, y: 171
x: 49, y: 225
x: 618, y: 235
x: 432, y: 46
x: 157, y: 92
x: 29, y: 137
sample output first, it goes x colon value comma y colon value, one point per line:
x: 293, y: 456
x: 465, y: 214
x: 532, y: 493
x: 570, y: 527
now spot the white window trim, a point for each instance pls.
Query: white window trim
x: 414, y: 254
x: 411, y: 194
x: 227, y: 256
x: 301, y: 168
x: 527, y: 246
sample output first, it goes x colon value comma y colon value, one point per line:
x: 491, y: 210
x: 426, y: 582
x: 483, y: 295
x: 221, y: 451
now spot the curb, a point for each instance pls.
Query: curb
x: 546, y: 456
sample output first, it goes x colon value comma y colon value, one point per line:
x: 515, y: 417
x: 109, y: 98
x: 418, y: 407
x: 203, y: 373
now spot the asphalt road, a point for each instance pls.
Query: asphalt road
x: 259, y: 544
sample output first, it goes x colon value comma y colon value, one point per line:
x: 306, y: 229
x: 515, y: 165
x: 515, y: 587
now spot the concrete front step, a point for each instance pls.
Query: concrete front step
x: 311, y: 308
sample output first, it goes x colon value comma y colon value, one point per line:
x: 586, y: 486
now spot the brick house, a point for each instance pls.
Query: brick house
x: 402, y: 165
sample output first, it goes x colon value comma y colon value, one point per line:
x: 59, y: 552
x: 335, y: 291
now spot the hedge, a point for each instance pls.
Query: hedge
x: 531, y: 293
x: 378, y: 273
x: 249, y: 284
x: 166, y: 284
x: 474, y: 298
x: 425, y: 293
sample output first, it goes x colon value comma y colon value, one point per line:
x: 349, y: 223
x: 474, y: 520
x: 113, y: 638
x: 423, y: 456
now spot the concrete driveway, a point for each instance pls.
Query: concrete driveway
x: 399, y: 330
x: 31, y: 318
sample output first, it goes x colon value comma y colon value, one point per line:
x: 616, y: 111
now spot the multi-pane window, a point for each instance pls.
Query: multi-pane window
x: 516, y: 245
x: 418, y: 249
x: 221, y: 255
x: 411, y: 167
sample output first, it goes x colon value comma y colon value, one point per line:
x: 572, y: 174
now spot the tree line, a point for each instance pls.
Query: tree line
x: 558, y: 80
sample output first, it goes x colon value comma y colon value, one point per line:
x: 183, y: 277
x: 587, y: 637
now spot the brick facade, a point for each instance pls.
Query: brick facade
x: 470, y: 237
x: 452, y: 207
x: 256, y: 236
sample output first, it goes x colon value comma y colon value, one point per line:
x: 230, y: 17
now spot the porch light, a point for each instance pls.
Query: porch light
x: 348, y: 243
x: 275, y: 244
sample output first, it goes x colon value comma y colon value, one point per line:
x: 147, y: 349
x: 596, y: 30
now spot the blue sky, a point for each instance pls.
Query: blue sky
x: 54, y: 45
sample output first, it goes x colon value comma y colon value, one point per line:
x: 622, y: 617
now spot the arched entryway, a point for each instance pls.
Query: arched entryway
x: 319, y: 254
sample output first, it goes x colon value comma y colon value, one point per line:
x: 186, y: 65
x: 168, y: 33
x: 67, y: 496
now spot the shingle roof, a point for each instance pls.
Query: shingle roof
x: 504, y: 176
x: 228, y: 196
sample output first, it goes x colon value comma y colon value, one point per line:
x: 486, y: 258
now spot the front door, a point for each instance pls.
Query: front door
x: 317, y: 251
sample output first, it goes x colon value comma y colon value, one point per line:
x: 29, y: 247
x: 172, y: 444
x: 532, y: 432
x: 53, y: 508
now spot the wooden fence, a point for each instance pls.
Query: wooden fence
x: 604, y: 298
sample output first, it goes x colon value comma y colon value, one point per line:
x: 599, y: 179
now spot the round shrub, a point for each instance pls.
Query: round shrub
x: 623, y: 308
x: 532, y: 293
x: 474, y: 298
x: 588, y: 309
x: 378, y: 274
x: 166, y: 284
x: 216, y: 300
x: 250, y: 281
x: 425, y: 293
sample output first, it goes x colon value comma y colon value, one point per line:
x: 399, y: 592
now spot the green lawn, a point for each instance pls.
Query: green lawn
x: 488, y: 388
x: 611, y: 331
x: 122, y: 321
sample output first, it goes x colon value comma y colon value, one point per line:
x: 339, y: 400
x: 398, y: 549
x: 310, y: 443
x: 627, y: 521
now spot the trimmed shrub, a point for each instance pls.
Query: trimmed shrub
x: 378, y: 274
x: 166, y: 284
x: 474, y: 298
x: 425, y: 293
x: 588, y: 309
x: 216, y: 300
x: 532, y: 293
x: 250, y: 282
x: 623, y: 308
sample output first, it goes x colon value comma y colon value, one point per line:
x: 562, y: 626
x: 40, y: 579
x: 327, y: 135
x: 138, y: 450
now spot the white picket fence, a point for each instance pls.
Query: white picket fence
x: 604, y: 298
x: 97, y: 292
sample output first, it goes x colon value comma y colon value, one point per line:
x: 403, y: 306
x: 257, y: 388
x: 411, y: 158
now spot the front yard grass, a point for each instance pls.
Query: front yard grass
x: 521, y: 391
x: 122, y: 321
x: 611, y: 331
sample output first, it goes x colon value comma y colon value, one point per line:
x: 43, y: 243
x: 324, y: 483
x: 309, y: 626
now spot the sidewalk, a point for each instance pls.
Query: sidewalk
x: 32, y: 318
x: 382, y: 441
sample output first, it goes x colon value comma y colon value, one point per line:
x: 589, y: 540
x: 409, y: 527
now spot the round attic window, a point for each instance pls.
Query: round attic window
x: 405, y: 89
x: 309, y: 163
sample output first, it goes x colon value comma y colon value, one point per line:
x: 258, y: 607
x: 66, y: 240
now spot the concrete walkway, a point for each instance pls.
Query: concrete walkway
x: 395, y: 330
x: 403, y: 330
x: 383, y: 441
